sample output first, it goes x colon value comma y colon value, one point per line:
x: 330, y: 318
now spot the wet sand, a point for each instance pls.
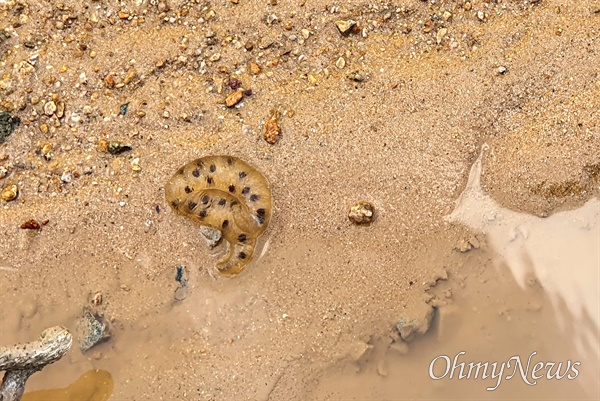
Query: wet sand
x: 326, y: 296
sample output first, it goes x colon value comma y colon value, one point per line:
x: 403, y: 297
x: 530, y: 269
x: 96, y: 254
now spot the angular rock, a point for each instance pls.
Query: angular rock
x: 92, y: 329
x: 417, y: 324
x: 345, y: 26
x: 213, y: 237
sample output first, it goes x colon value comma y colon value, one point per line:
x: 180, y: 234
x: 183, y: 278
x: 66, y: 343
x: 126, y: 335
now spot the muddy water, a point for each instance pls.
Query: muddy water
x: 562, y: 252
x: 95, y: 385
x: 532, y: 297
x: 279, y: 333
x: 492, y: 319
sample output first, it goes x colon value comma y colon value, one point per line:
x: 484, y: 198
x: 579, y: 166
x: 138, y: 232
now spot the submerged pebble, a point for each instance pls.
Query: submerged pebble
x: 91, y: 329
x: 213, y: 237
x: 413, y: 326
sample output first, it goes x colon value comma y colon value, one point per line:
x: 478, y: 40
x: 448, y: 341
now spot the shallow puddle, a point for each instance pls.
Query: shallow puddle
x: 562, y: 252
x: 94, y: 385
x: 519, y: 289
x: 528, y: 296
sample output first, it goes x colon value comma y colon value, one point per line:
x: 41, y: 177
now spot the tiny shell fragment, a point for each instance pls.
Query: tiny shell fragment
x: 362, y: 213
x: 49, y: 108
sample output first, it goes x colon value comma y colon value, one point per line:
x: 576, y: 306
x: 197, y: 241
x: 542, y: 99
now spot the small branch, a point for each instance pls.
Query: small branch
x: 22, y: 360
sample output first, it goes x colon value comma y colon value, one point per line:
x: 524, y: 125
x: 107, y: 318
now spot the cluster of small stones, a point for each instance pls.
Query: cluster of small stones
x: 66, y: 98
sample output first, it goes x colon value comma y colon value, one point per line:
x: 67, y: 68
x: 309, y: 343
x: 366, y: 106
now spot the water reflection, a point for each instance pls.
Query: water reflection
x: 94, y: 385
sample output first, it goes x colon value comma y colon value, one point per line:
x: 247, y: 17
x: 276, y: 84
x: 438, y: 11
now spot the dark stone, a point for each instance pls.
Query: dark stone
x: 8, y: 123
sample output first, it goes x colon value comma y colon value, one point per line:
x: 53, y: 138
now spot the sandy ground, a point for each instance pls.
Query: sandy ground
x: 394, y: 113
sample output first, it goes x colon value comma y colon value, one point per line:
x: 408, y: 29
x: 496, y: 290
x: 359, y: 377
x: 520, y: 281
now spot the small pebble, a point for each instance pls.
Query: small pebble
x: 97, y: 299
x: 345, y: 26
x: 271, y: 130
x: 162, y: 7
x: 213, y: 237
x: 135, y: 165
x: 362, y: 213
x: 340, y: 63
x: 254, y: 68
x: 66, y: 177
x: 109, y: 81
x: 440, y: 35
x: 131, y: 74
x: 234, y: 98
x: 47, y: 151
x: 502, y: 70
x: 50, y: 108
x: 10, y: 193
x: 31, y: 225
